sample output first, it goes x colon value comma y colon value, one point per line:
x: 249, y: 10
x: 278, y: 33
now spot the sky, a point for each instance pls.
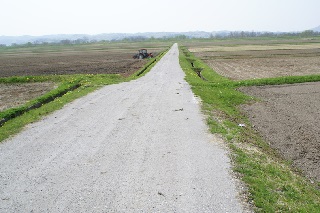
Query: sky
x: 45, y: 17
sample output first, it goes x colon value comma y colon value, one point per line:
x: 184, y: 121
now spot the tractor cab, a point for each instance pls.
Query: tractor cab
x: 142, y: 53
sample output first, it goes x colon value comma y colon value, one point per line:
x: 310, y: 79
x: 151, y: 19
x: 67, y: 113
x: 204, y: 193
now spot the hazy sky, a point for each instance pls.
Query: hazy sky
x: 42, y: 17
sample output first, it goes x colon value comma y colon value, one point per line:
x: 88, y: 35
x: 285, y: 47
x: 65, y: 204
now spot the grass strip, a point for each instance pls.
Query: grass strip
x: 71, y: 87
x: 279, y: 80
x: 53, y: 100
x: 38, y: 102
x: 151, y: 63
x: 273, y: 184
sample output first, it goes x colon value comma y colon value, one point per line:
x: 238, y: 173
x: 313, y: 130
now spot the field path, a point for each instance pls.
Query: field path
x: 140, y: 146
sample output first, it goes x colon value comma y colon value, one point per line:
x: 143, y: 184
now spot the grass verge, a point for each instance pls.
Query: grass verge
x: 70, y: 87
x: 273, y: 184
x: 149, y: 65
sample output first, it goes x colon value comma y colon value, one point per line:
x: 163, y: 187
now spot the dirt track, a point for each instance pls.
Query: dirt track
x: 289, y: 119
x: 141, y: 146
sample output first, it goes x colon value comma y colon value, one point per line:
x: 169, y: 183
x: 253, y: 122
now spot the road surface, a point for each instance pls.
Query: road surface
x: 140, y: 146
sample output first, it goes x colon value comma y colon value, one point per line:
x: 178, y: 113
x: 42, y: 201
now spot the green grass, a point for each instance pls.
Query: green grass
x: 279, y: 81
x: 70, y: 87
x: 273, y: 184
x: 149, y: 65
x: 87, y: 84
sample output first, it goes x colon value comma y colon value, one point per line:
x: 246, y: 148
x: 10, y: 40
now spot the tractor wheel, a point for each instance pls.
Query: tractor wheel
x: 140, y: 56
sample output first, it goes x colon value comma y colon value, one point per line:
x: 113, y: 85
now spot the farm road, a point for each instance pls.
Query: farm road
x: 140, y: 146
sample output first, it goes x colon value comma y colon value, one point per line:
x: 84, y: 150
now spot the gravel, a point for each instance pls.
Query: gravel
x: 140, y: 146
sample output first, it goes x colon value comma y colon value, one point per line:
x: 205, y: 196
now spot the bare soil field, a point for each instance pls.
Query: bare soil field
x: 91, y: 59
x: 13, y: 95
x: 288, y: 117
x: 261, y: 60
x: 101, y: 58
x: 238, y: 42
x: 68, y: 63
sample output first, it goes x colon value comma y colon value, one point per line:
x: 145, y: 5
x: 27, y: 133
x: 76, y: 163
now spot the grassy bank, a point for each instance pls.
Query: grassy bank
x: 70, y: 87
x: 273, y: 185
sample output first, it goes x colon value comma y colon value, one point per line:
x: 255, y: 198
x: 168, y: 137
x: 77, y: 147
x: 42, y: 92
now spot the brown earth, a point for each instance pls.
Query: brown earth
x: 55, y: 60
x: 288, y: 117
x: 13, y: 95
x: 86, y: 62
x: 237, y: 42
x: 250, y: 59
x: 99, y: 58
x: 253, y: 64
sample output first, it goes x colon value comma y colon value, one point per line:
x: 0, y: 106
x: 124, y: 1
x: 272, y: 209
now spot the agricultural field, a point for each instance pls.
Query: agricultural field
x: 287, y: 116
x: 58, y: 63
x: 270, y: 121
x: 101, y: 58
x: 261, y: 59
x: 13, y: 95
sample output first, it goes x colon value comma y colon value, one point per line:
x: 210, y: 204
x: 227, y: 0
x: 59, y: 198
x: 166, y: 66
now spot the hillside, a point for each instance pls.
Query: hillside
x: 316, y: 29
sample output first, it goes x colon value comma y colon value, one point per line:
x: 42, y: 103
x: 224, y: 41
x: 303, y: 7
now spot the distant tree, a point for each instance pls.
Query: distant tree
x: 78, y: 41
x: 253, y: 34
x: 307, y: 33
x: 37, y: 42
x: 3, y: 45
x: 181, y: 37
x: 85, y: 39
x: 134, y: 38
x: 65, y: 41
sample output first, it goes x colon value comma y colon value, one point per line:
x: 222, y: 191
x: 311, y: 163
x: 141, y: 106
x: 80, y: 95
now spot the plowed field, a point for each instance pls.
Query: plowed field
x: 102, y: 58
x: 288, y: 117
x: 13, y: 95
x: 85, y: 59
x: 261, y: 61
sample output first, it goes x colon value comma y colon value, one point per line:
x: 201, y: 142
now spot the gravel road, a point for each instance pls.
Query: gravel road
x: 140, y: 146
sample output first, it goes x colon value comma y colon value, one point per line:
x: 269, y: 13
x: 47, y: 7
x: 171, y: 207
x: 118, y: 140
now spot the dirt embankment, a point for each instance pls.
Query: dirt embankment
x: 288, y: 117
x: 12, y: 95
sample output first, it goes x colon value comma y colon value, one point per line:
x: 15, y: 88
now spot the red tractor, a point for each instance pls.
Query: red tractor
x: 143, y: 53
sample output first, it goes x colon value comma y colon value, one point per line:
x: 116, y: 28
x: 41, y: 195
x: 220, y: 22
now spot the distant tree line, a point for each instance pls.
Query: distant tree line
x: 247, y: 34
x: 61, y: 42
x: 235, y: 34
